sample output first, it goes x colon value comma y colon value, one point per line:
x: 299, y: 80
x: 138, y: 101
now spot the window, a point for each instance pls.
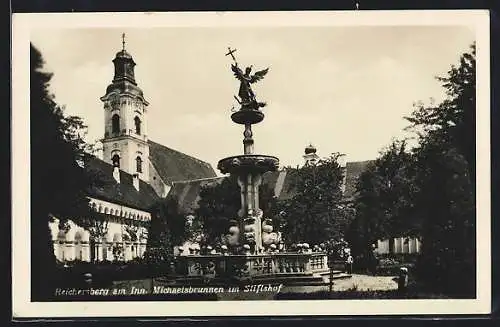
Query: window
x: 116, y: 160
x: 138, y: 162
x: 137, y: 121
x: 115, y: 124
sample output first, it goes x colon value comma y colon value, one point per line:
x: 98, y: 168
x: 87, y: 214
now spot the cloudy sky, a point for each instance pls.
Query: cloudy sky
x: 344, y: 89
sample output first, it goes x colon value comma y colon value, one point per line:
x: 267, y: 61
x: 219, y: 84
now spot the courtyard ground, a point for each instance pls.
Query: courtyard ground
x: 355, y: 283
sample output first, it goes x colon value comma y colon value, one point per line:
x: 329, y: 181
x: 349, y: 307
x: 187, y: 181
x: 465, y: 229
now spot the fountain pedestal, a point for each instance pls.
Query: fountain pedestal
x: 249, y: 168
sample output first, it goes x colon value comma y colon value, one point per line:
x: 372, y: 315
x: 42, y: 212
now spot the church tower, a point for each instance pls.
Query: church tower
x: 125, y: 142
x: 310, y: 156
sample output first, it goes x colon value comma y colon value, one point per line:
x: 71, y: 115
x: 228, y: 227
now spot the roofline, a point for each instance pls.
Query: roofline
x: 107, y: 95
x: 109, y: 199
x: 187, y: 155
x: 199, y: 179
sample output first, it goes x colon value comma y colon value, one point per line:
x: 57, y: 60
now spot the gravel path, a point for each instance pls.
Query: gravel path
x: 365, y: 283
x: 358, y: 282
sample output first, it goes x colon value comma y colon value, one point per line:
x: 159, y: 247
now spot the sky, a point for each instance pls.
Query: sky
x: 343, y: 89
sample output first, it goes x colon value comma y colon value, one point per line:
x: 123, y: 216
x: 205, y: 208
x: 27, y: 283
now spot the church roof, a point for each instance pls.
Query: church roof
x: 173, y: 165
x: 106, y: 188
x: 187, y: 192
x: 282, y: 182
x: 353, y: 171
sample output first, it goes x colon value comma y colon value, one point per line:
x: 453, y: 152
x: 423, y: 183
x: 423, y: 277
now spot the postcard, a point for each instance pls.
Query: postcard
x: 250, y: 163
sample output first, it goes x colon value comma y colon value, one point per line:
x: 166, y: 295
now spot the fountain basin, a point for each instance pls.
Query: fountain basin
x: 248, y: 163
x: 246, y: 116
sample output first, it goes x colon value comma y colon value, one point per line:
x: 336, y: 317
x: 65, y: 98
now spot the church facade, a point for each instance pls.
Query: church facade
x: 134, y: 174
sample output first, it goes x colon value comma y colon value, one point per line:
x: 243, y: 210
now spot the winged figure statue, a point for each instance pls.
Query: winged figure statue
x: 245, y: 92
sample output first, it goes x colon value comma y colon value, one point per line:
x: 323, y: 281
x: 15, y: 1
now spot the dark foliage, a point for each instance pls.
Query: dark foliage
x: 167, y: 229
x: 58, y: 182
x: 316, y: 214
x: 429, y: 192
x: 219, y: 204
x: 384, y: 203
x: 446, y: 183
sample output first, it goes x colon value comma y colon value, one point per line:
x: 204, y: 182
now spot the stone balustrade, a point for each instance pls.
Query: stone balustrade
x: 219, y: 265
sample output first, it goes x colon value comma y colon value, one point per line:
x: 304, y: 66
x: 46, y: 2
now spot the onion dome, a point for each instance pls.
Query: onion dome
x: 123, y: 54
x: 310, y: 149
x: 124, y: 76
x: 124, y: 67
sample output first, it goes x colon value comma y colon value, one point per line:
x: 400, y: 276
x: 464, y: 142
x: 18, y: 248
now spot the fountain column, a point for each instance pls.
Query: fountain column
x: 249, y: 168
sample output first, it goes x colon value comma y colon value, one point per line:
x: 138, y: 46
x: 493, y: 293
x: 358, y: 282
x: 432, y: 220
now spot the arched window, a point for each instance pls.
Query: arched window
x: 138, y: 162
x: 116, y: 160
x: 137, y: 121
x: 115, y: 124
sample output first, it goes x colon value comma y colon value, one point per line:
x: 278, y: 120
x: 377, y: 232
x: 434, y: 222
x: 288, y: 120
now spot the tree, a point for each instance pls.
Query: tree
x: 445, y: 200
x: 446, y: 182
x: 168, y: 228
x: 384, y: 201
x: 219, y: 204
x: 315, y: 213
x: 453, y: 121
x: 58, y: 183
x: 429, y: 192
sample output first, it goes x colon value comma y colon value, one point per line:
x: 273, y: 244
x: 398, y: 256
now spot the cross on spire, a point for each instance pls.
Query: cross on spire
x: 123, y: 41
x: 230, y: 53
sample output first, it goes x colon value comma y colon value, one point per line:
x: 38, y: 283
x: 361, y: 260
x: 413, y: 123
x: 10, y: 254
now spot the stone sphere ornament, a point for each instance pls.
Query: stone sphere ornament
x: 269, y: 238
x: 234, y: 230
x: 267, y: 228
x: 249, y: 228
x: 246, y: 247
x: 250, y: 236
x: 232, y: 240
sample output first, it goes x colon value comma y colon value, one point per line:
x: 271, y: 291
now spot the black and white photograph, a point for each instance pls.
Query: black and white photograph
x: 198, y: 164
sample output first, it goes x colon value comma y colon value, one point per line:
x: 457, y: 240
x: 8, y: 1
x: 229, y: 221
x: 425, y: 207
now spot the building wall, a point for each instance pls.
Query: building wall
x: 156, y: 182
x: 73, y: 243
x: 401, y: 245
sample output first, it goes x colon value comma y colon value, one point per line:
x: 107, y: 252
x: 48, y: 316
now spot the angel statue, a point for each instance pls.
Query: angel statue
x: 246, y: 93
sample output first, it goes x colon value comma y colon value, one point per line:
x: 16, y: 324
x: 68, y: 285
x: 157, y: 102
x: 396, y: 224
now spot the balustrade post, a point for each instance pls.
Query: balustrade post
x: 307, y: 261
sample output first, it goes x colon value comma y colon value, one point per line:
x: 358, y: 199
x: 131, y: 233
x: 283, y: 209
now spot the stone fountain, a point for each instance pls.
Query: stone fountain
x: 250, y: 233
x: 250, y: 253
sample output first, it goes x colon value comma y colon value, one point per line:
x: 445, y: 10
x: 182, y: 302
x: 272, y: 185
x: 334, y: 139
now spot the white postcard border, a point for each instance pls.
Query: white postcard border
x: 24, y: 23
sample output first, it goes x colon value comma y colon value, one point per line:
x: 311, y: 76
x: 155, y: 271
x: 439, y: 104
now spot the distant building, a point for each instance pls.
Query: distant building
x: 281, y: 182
